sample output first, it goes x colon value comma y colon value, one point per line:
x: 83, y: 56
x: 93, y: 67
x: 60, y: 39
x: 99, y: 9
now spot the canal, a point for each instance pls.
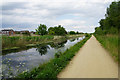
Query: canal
x: 14, y: 63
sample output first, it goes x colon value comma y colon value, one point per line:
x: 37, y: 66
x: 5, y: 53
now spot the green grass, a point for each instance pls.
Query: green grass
x: 53, y: 67
x: 109, y: 42
x: 20, y: 41
x: 9, y: 42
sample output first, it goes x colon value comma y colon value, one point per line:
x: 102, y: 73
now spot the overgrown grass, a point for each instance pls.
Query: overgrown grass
x: 51, y: 69
x: 109, y: 42
x: 9, y: 42
x: 19, y: 41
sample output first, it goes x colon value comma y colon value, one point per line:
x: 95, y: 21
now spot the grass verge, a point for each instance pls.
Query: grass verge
x: 51, y: 69
x: 110, y: 43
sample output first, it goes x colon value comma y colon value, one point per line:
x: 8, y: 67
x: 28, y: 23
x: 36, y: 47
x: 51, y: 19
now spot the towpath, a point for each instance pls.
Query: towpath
x: 92, y: 61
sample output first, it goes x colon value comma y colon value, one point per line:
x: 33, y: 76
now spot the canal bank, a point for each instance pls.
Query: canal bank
x: 54, y: 66
x: 28, y: 59
x: 11, y: 44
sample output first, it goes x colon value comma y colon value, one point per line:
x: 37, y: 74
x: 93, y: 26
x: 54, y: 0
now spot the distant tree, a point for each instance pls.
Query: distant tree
x: 27, y: 33
x: 51, y: 31
x: 60, y: 30
x: 72, y: 32
x: 41, y: 30
x: 77, y: 32
x: 57, y: 30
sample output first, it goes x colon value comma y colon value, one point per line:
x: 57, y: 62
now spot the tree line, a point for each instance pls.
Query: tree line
x: 111, y: 23
x: 57, y: 30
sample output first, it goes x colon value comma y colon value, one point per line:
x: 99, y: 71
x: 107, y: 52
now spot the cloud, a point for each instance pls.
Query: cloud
x: 72, y: 14
x: 12, y: 6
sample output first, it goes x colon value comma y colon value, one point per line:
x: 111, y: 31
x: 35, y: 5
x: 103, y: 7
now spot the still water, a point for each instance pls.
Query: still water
x: 17, y: 62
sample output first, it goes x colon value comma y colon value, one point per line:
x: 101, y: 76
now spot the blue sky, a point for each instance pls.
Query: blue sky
x: 77, y: 15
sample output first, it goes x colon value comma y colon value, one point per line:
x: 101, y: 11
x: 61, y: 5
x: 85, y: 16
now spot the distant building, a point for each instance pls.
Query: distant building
x: 8, y: 32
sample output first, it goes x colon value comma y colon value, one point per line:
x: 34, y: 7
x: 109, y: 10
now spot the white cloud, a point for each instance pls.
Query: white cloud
x: 72, y: 14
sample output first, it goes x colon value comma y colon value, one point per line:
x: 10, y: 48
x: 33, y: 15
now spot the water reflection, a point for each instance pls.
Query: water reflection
x: 77, y: 38
x: 17, y: 62
x: 5, y: 52
x: 72, y: 40
x: 42, y: 49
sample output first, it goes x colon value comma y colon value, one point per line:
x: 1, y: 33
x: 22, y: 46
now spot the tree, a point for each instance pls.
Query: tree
x: 111, y: 23
x: 57, y: 30
x: 101, y: 23
x: 77, y: 32
x: 51, y: 31
x: 41, y: 30
x: 72, y: 32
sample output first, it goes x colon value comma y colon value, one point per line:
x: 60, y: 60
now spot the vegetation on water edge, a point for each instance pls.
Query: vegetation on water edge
x: 18, y: 41
x: 109, y: 42
x: 53, y: 67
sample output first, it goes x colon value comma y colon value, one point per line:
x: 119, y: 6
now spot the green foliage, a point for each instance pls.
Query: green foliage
x: 110, y: 42
x: 111, y: 23
x: 87, y: 35
x: 113, y: 30
x: 99, y: 31
x: 18, y: 41
x: 57, y: 55
x: 77, y: 32
x: 72, y: 32
x: 41, y: 30
x: 51, y: 69
x: 57, y: 30
x: 17, y: 32
x: 26, y: 33
x: 107, y: 33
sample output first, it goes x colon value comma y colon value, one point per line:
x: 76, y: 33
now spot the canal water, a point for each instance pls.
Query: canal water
x: 17, y: 62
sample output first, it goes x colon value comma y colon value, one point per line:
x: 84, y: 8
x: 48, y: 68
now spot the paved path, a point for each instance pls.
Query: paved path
x: 92, y: 61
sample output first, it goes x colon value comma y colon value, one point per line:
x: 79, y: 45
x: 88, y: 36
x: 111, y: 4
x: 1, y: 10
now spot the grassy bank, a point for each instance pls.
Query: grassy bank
x: 16, y: 42
x: 53, y: 67
x: 109, y: 42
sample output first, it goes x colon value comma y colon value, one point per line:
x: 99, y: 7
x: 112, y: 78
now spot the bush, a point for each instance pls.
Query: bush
x: 113, y: 30
x: 26, y: 33
x: 57, y: 55
x: 87, y: 35
x: 72, y: 32
x: 58, y: 30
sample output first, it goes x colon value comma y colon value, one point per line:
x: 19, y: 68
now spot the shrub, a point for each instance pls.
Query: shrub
x: 87, y: 35
x: 72, y: 32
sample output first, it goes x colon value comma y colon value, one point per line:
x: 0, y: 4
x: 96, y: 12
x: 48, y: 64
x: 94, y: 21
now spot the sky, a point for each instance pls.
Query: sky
x: 73, y: 15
